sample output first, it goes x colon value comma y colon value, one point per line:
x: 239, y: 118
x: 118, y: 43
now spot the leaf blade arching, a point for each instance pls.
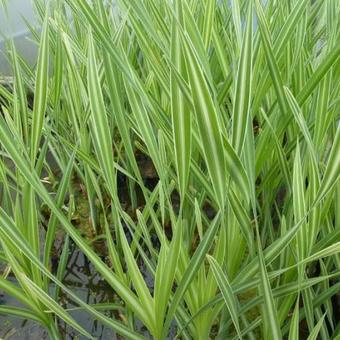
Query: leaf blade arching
x: 271, y: 60
x: 332, y: 172
x: 20, y: 90
x: 227, y: 293
x: 55, y: 307
x: 137, y: 279
x: 208, y: 22
x: 41, y: 91
x: 270, y: 310
x: 242, y: 97
x: 299, y: 204
x: 166, y: 270
x: 181, y: 115
x: 208, y: 122
x: 100, y: 126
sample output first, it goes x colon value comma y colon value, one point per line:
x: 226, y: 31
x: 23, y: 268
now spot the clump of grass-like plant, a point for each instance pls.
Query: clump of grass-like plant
x: 236, y: 107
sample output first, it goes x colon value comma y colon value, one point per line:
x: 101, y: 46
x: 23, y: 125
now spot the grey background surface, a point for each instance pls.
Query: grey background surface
x: 13, y: 26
